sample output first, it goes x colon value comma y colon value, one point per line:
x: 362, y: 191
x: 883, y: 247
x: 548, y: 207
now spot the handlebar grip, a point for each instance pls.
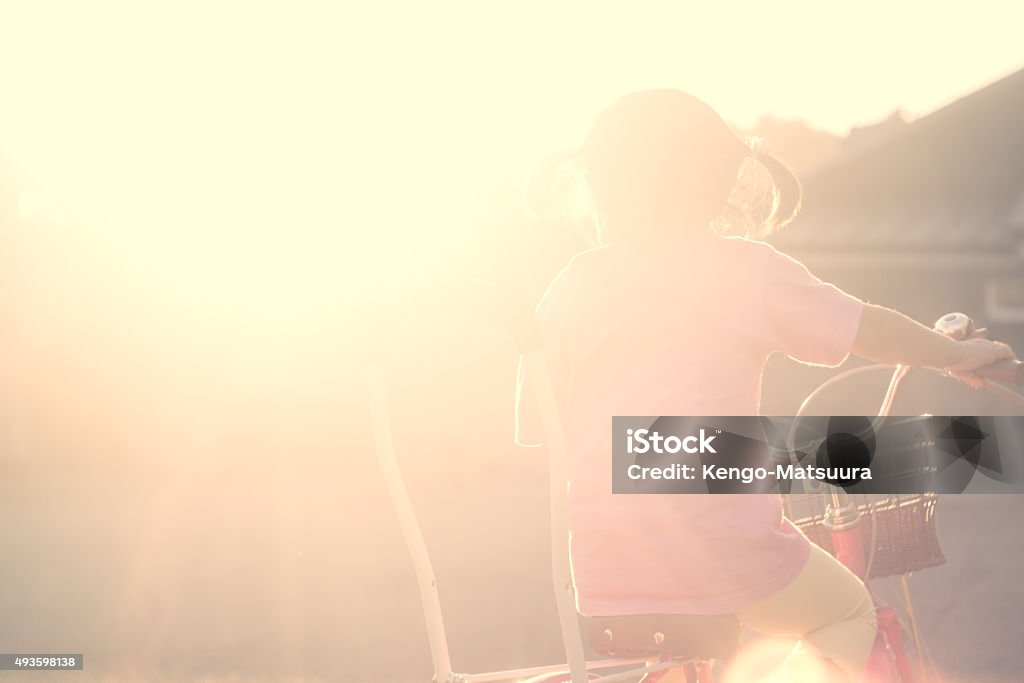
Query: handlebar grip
x: 1009, y: 371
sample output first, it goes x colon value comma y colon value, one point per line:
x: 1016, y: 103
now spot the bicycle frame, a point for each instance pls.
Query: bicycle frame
x: 888, y: 660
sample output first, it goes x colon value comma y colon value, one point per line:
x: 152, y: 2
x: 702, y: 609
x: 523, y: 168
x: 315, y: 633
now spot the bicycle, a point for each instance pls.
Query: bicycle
x: 649, y: 646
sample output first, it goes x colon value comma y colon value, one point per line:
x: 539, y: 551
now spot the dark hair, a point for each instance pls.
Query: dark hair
x: 663, y: 160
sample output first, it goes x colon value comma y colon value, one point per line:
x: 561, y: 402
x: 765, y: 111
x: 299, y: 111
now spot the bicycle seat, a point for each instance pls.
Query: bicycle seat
x: 679, y: 636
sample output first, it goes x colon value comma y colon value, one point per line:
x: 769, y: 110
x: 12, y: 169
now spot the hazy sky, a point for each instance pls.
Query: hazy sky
x: 116, y: 97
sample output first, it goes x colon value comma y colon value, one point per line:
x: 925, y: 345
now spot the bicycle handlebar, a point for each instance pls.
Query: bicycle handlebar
x: 960, y: 326
x: 1009, y: 371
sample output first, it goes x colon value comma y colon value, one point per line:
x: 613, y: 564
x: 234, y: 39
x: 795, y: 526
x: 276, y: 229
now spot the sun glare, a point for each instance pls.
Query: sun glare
x: 223, y: 160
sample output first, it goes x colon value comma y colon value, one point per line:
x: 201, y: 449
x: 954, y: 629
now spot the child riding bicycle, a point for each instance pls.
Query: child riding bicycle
x: 675, y: 313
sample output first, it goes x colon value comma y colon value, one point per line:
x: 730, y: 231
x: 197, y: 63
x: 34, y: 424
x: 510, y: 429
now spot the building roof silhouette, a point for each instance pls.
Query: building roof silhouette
x: 951, y: 183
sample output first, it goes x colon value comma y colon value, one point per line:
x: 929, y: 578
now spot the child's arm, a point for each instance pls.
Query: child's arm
x: 886, y: 336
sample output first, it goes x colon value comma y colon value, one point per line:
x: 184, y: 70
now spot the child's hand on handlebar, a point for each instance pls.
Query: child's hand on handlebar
x: 978, y: 352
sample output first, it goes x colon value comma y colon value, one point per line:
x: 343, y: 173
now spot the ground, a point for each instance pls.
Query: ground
x: 213, y: 576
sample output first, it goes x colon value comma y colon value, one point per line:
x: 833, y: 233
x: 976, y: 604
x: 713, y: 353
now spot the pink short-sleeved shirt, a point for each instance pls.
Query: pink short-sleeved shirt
x: 683, y: 328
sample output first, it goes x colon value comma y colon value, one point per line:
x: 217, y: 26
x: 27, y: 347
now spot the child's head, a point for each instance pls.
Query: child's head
x: 661, y: 161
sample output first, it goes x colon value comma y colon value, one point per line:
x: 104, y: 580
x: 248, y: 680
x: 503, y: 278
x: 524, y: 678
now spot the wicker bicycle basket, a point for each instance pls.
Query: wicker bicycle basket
x: 898, y: 532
